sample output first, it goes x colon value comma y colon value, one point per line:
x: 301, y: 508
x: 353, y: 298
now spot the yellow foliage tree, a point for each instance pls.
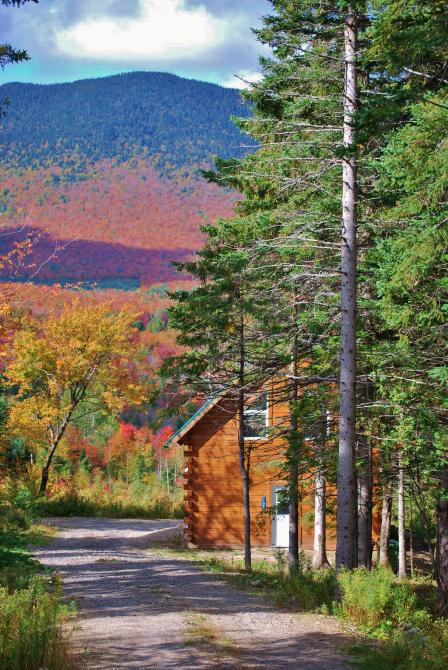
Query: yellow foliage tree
x: 73, y: 364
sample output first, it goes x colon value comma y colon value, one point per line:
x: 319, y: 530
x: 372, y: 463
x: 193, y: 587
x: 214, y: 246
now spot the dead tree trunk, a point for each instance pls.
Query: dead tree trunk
x: 365, y: 505
x: 386, y: 515
x: 293, y: 463
x: 442, y: 537
x: 401, y: 523
x: 346, y: 555
x: 320, y: 559
x: 244, y: 449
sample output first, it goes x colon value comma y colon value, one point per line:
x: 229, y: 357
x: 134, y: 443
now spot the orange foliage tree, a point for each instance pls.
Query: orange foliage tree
x: 128, y: 442
x: 73, y: 364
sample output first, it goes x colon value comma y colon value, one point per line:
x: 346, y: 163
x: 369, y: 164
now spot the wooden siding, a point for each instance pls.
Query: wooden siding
x: 213, y: 487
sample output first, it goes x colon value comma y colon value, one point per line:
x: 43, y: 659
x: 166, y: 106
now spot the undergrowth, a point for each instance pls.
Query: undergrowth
x: 396, y: 620
x: 164, y: 508
x: 31, y: 609
x: 307, y: 590
x: 93, y: 494
x: 398, y: 627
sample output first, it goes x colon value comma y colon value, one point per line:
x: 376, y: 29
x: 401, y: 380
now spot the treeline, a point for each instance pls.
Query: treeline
x: 351, y: 118
x: 174, y: 121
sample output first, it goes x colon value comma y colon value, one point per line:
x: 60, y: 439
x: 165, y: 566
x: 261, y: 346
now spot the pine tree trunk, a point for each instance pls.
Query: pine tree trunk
x: 365, y: 506
x: 401, y: 524
x: 426, y: 521
x: 346, y: 554
x: 320, y: 560
x: 293, y: 462
x: 244, y: 451
x: 293, y: 550
x: 244, y: 469
x: 247, y: 539
x: 442, y: 537
x: 386, y: 515
x: 411, y: 542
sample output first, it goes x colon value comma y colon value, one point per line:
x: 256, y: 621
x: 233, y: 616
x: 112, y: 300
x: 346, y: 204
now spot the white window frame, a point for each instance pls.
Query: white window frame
x: 327, y: 427
x: 256, y: 412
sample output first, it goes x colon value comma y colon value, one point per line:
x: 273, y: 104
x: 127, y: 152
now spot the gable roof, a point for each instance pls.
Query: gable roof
x: 196, y: 417
x: 193, y: 420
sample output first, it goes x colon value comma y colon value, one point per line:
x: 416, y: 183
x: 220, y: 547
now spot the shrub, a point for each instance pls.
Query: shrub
x: 162, y: 508
x: 407, y: 649
x: 31, y: 614
x: 387, y: 609
x: 375, y: 600
x: 16, y: 505
x: 30, y: 628
x: 310, y: 590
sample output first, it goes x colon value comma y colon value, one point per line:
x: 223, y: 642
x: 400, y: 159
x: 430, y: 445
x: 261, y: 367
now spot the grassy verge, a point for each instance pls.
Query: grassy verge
x: 165, y: 508
x: 396, y: 622
x: 31, y: 610
x: 308, y: 590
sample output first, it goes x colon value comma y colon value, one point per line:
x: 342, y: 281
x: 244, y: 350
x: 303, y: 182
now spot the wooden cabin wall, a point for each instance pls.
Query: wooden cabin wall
x: 214, y: 502
x: 213, y: 485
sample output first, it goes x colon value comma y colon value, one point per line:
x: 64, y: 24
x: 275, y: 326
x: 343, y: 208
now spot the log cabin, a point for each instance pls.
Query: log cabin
x: 213, y: 484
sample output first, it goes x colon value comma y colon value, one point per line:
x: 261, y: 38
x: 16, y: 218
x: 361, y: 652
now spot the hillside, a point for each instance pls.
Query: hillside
x: 103, y: 175
x: 170, y: 120
x: 120, y: 226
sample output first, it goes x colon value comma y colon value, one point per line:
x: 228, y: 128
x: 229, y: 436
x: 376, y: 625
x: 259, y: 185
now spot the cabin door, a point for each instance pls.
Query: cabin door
x: 280, y: 530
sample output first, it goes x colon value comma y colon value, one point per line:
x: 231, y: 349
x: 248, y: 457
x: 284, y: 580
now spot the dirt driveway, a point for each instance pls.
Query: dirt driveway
x: 138, y: 609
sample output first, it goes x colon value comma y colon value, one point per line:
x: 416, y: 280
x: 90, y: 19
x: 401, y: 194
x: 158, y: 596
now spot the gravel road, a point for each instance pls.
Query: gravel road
x: 140, y: 609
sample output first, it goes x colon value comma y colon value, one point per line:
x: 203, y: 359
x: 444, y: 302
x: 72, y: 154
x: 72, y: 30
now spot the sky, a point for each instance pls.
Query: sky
x: 209, y: 40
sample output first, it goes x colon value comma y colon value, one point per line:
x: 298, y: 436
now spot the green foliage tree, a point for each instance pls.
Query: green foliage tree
x: 9, y: 54
x: 293, y: 185
x: 408, y: 265
x: 218, y: 323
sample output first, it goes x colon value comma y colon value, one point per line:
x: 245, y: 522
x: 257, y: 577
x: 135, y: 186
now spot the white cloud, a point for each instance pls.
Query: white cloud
x: 164, y: 29
x: 242, y: 80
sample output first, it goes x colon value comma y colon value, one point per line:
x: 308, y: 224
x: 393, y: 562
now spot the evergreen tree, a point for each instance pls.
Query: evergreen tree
x: 9, y: 54
x: 289, y: 222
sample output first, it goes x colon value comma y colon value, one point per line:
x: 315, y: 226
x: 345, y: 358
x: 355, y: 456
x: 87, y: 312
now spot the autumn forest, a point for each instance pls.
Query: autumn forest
x: 223, y: 323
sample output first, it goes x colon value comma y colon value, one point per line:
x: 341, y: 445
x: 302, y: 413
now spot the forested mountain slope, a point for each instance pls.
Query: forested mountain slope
x: 103, y: 174
x: 172, y: 120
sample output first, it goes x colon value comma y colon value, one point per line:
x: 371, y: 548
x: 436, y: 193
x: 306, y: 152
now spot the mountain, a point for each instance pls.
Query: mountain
x: 103, y: 175
x: 173, y: 121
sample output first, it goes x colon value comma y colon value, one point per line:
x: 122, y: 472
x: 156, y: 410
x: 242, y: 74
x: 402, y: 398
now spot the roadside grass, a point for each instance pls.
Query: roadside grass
x: 393, y: 622
x: 396, y: 620
x: 32, y: 614
x: 164, y: 508
x: 306, y: 591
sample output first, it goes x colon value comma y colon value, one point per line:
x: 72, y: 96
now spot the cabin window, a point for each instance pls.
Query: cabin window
x: 317, y: 427
x: 256, y: 417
